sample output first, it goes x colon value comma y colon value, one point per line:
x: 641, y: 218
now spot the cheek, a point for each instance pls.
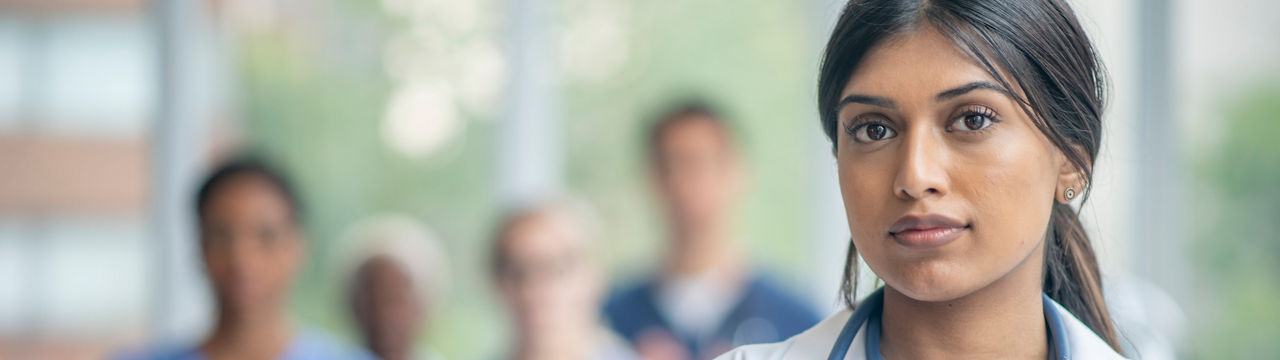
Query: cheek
x: 217, y: 263
x: 867, y: 192
x: 285, y: 261
x: 1011, y: 193
x: 1009, y: 216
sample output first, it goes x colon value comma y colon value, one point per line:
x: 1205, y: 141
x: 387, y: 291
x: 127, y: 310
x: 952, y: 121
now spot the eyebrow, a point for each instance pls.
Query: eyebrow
x: 942, y: 96
x: 867, y: 99
x: 963, y: 89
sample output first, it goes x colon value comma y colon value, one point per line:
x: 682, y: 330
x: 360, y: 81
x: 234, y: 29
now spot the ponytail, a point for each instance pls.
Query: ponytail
x: 848, y: 286
x: 1071, y: 274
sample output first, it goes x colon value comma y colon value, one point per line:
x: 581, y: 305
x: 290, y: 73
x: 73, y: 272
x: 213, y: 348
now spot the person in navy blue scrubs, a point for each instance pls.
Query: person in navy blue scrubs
x: 704, y: 298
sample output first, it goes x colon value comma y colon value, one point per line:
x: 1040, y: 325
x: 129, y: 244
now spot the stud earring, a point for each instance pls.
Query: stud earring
x: 1070, y: 194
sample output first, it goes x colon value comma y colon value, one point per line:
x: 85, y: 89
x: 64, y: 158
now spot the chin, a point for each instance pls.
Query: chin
x: 931, y: 281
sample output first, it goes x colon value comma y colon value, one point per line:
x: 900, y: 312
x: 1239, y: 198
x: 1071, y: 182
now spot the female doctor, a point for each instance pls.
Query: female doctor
x: 962, y: 131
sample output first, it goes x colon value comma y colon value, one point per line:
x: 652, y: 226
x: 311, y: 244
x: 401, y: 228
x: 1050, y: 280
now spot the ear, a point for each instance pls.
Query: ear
x: 1071, y: 180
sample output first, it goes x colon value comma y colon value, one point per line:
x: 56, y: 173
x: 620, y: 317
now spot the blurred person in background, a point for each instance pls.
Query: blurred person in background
x: 252, y: 244
x: 542, y: 264
x: 394, y: 274
x: 704, y: 299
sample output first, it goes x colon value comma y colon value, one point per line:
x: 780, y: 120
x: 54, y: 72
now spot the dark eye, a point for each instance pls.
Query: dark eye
x: 870, y: 132
x: 219, y: 237
x: 268, y: 236
x: 976, y: 122
x: 973, y: 120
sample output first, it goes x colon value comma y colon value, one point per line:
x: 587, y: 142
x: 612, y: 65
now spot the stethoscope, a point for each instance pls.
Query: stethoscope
x: 868, y: 312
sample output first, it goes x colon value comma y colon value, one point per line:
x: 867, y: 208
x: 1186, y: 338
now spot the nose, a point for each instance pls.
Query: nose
x: 243, y: 255
x: 921, y: 173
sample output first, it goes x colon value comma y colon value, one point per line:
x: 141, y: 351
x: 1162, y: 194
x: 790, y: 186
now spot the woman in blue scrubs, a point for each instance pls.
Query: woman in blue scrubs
x: 963, y: 131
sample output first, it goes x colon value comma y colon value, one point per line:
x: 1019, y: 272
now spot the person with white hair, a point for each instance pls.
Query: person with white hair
x: 542, y: 265
x: 394, y: 274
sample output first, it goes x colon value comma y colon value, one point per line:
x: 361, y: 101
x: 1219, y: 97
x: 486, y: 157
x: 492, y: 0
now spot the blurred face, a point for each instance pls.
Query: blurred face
x: 697, y: 172
x: 547, y: 282
x: 386, y: 308
x: 251, y: 244
x: 947, y: 183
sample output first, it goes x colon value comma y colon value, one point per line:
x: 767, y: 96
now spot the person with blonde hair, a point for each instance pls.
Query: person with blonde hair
x: 541, y: 261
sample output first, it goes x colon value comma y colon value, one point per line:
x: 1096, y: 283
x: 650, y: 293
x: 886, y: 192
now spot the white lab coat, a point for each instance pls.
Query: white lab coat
x: 816, y: 343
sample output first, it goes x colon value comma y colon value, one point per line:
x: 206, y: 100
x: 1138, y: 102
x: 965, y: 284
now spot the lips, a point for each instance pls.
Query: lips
x: 926, y: 231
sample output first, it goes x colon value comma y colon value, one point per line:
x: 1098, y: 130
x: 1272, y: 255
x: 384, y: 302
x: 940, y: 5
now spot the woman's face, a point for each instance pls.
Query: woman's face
x: 947, y: 183
x: 251, y: 244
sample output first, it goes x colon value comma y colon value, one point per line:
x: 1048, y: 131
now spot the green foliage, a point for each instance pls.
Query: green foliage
x: 1238, y: 249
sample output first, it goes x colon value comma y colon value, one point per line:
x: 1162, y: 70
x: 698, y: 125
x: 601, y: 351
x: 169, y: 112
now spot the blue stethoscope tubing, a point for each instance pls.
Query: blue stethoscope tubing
x: 869, y: 310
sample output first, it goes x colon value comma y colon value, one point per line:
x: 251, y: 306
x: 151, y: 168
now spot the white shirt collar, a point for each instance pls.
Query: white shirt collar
x: 816, y: 342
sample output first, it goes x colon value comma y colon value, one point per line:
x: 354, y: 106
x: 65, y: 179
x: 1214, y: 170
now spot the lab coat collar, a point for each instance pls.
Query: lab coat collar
x: 816, y: 342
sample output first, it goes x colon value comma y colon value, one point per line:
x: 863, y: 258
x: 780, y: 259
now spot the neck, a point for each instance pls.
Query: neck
x: 260, y: 335
x: 698, y: 250
x: 1005, y: 320
x: 554, y: 345
x: 390, y: 354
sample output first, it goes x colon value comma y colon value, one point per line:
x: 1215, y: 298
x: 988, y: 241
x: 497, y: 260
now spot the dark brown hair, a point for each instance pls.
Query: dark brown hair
x: 1037, y: 45
x: 689, y: 109
x: 247, y: 165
